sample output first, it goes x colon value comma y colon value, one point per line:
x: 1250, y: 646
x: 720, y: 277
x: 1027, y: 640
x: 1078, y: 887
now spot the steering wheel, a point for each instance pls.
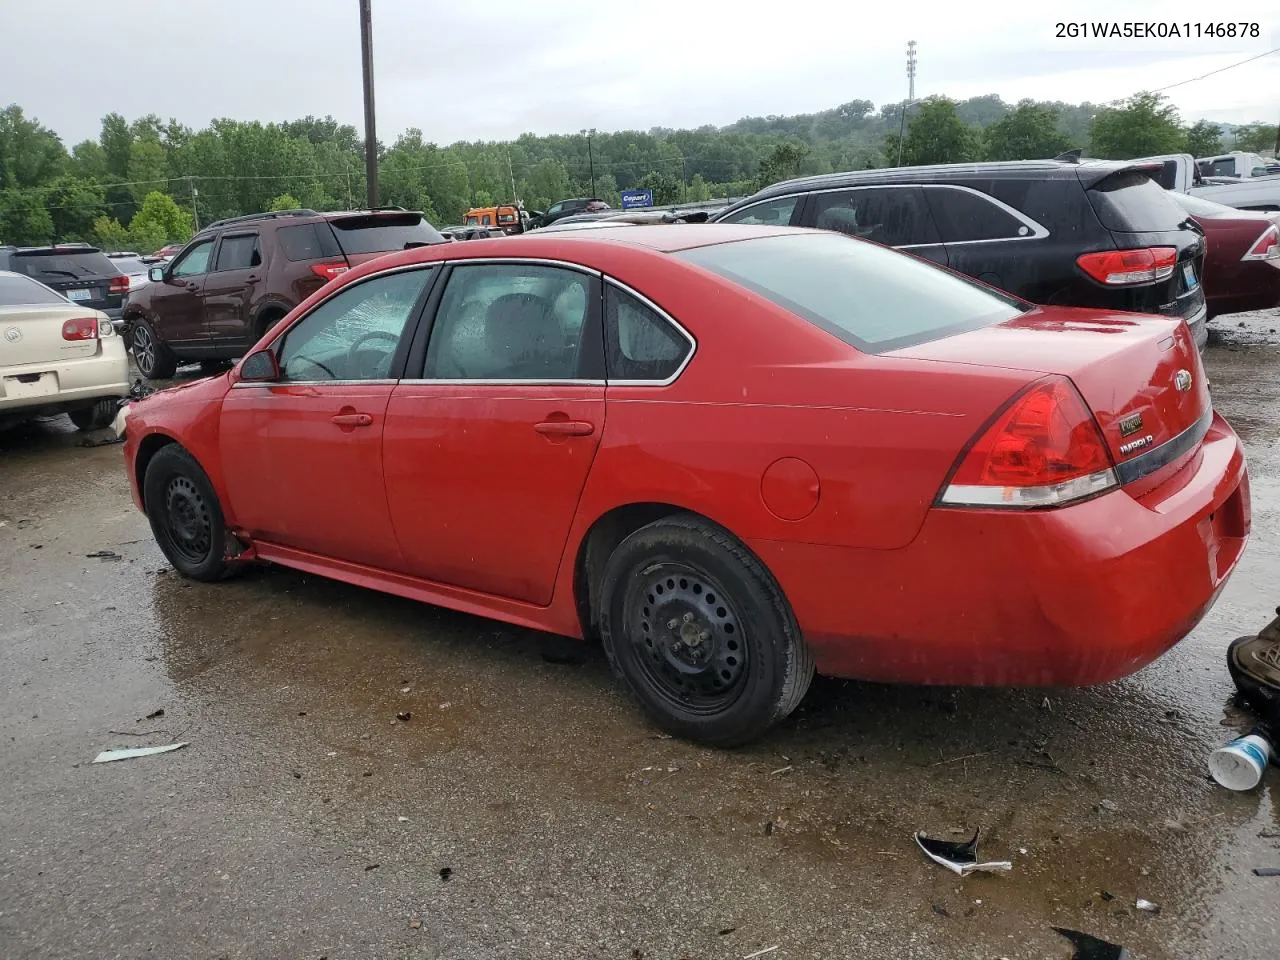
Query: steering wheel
x: 360, y: 340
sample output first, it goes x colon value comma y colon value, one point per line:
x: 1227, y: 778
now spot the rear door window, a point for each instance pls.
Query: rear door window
x: 963, y: 216
x: 640, y: 346
x: 308, y: 241
x: 239, y: 252
x: 62, y: 266
x: 21, y: 291
x: 1131, y: 202
x: 778, y: 212
x: 893, y: 216
x: 383, y: 233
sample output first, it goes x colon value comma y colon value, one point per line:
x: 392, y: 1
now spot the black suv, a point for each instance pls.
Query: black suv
x: 1083, y: 234
x: 563, y: 208
x: 78, y: 271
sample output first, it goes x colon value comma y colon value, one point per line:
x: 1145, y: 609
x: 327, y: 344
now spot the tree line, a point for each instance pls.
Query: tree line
x: 147, y: 182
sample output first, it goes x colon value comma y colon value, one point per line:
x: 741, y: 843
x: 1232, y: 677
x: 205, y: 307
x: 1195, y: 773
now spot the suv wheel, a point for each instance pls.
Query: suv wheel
x: 155, y: 361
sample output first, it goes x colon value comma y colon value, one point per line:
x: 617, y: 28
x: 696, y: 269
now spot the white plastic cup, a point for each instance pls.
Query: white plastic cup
x: 1239, y: 765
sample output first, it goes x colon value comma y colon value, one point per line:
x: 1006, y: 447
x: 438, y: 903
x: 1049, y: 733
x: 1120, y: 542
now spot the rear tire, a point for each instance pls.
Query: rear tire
x: 96, y: 417
x: 155, y: 361
x: 265, y: 322
x: 701, y: 633
x: 185, y: 515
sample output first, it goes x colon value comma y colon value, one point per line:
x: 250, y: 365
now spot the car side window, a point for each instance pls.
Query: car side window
x: 509, y: 321
x: 777, y: 213
x: 239, y: 253
x: 963, y: 216
x: 354, y: 334
x: 555, y: 208
x: 195, y: 261
x: 639, y: 343
x: 893, y: 216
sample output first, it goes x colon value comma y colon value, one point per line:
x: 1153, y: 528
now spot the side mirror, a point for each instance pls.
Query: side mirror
x: 260, y: 367
x: 156, y: 274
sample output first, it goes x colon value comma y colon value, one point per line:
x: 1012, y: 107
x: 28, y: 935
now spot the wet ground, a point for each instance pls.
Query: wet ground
x: 527, y: 809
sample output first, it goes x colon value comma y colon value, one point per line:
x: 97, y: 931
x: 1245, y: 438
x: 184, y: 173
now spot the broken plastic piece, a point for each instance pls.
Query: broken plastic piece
x: 960, y: 858
x: 108, y: 755
x: 1091, y: 948
x: 1266, y: 871
x: 1147, y: 906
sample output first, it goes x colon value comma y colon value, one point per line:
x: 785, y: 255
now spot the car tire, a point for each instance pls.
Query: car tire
x: 155, y: 361
x: 96, y: 417
x: 186, y: 518
x: 265, y: 322
x: 701, y: 633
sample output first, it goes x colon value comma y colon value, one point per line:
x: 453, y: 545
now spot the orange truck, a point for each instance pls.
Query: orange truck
x: 505, y: 217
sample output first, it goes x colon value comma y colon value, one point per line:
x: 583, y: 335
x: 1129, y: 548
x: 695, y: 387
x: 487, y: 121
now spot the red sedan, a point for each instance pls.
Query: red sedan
x: 734, y: 453
x: 1242, y: 256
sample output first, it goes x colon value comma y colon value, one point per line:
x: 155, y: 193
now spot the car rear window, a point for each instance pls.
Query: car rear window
x: 63, y: 264
x: 382, y: 234
x: 1131, y: 202
x: 870, y: 297
x: 20, y: 291
x: 308, y: 241
x: 128, y: 264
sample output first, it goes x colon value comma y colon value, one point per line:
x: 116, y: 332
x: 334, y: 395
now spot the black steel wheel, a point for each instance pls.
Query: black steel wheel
x: 185, y: 515
x: 701, y: 633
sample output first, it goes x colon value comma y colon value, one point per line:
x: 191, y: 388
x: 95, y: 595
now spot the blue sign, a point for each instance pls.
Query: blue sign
x: 637, y: 198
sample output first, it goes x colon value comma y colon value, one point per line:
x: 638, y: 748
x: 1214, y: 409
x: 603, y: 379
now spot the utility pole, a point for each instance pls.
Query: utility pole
x: 195, y: 213
x: 591, y: 162
x: 911, y: 95
x: 512, y: 174
x: 370, y: 131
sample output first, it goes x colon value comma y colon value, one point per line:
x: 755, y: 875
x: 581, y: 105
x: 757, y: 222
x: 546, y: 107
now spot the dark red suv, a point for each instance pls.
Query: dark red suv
x: 237, y: 277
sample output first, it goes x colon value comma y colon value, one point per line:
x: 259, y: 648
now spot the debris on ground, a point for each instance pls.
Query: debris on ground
x: 1240, y: 764
x: 960, y: 858
x: 404, y: 716
x: 940, y: 910
x: 153, y: 715
x: 103, y: 555
x: 127, y: 754
x: 415, y: 924
x: 446, y: 873
x: 761, y: 953
x: 1091, y: 948
x: 106, y: 441
x: 1146, y: 906
x: 1266, y: 871
x: 1109, y: 805
x: 781, y: 770
x: 402, y: 819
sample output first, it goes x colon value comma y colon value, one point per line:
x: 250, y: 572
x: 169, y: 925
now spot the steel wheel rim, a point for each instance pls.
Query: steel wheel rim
x: 187, y: 522
x: 688, y: 639
x: 144, y: 350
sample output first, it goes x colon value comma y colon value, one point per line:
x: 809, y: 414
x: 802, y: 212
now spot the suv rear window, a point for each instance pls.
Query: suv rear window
x: 870, y: 297
x: 382, y: 233
x: 62, y: 265
x: 20, y: 291
x: 1131, y: 202
x: 308, y: 241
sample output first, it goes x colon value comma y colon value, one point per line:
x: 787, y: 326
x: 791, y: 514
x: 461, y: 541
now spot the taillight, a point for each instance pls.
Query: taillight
x: 81, y: 328
x: 1122, y: 268
x: 118, y: 284
x: 329, y: 270
x: 1267, y: 247
x: 1043, y: 450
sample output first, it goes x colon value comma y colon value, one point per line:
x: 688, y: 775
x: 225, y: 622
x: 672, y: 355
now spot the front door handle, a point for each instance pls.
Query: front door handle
x: 565, y: 428
x: 352, y: 419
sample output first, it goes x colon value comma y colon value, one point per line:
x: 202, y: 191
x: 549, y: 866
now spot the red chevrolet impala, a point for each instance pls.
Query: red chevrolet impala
x: 734, y: 453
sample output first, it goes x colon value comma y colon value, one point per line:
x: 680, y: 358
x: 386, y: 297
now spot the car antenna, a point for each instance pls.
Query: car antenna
x: 1071, y: 156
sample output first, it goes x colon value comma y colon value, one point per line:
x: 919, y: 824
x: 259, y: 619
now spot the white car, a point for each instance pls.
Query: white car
x: 57, y: 357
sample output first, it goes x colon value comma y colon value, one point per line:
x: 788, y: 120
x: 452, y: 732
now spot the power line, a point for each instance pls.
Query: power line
x: 1230, y: 66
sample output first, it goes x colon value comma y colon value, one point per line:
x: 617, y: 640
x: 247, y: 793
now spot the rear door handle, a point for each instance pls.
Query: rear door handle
x: 353, y: 419
x: 565, y: 428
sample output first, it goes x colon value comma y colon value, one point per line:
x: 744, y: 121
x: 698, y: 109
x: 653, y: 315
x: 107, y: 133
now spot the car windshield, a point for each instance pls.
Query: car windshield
x: 871, y: 297
x: 20, y: 291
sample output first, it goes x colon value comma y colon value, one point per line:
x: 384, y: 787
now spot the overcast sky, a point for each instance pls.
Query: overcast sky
x: 492, y: 69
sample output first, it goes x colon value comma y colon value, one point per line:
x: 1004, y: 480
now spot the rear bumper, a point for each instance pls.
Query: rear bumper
x: 78, y: 381
x: 1198, y: 323
x: 1076, y: 596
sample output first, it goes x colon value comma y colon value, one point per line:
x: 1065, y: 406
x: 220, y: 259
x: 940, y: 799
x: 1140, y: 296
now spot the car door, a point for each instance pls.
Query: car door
x: 486, y: 452
x: 230, y: 288
x: 302, y: 455
x: 896, y: 216
x: 177, y: 303
x: 986, y: 238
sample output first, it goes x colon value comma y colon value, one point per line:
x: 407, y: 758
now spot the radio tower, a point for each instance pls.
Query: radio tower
x: 911, y: 71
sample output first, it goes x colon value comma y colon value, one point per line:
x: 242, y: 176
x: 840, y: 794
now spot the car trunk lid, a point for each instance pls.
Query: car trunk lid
x: 32, y: 335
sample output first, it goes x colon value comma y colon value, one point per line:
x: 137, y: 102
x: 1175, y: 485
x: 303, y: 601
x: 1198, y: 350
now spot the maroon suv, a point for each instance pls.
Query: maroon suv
x: 237, y: 277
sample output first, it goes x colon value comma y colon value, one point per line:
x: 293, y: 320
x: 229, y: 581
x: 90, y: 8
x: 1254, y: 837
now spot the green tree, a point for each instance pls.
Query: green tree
x: 698, y: 190
x: 1145, y: 126
x: 1204, y: 139
x: 116, y: 139
x: 74, y: 204
x: 1028, y: 132
x: 665, y: 187
x: 782, y: 163
x: 30, y: 154
x: 109, y: 235
x: 160, y: 216
x: 546, y: 183
x: 24, y: 221
x: 148, y: 167
x: 1254, y: 137
x: 285, y: 201
x: 144, y: 235
x: 935, y: 134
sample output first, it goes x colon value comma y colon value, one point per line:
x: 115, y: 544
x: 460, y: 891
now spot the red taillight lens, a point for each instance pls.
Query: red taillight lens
x: 81, y: 328
x: 1267, y: 247
x: 1120, y: 268
x: 1043, y: 450
x: 329, y: 270
x: 119, y: 284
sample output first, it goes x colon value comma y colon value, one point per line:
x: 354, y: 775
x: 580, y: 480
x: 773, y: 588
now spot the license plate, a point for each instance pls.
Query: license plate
x: 28, y: 385
x: 1189, y: 274
x: 79, y: 294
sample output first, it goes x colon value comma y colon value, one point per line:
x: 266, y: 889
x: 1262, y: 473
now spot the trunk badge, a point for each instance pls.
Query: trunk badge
x: 1130, y: 424
x: 13, y: 334
x: 1182, y: 380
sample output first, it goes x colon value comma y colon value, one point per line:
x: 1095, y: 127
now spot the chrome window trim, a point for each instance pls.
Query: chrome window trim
x: 662, y: 314
x: 536, y: 261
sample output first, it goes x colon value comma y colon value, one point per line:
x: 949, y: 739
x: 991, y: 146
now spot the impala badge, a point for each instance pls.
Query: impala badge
x: 1132, y: 445
x: 1182, y: 380
x: 1130, y: 424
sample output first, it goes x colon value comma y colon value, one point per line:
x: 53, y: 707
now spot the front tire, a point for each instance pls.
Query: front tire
x: 701, y: 633
x: 185, y: 515
x: 96, y: 417
x: 155, y: 361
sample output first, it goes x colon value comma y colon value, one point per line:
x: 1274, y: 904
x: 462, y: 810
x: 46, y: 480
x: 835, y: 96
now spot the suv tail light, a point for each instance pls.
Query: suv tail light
x: 331, y: 269
x: 1122, y: 268
x: 118, y: 284
x: 1267, y: 247
x: 81, y: 328
x: 1043, y: 450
